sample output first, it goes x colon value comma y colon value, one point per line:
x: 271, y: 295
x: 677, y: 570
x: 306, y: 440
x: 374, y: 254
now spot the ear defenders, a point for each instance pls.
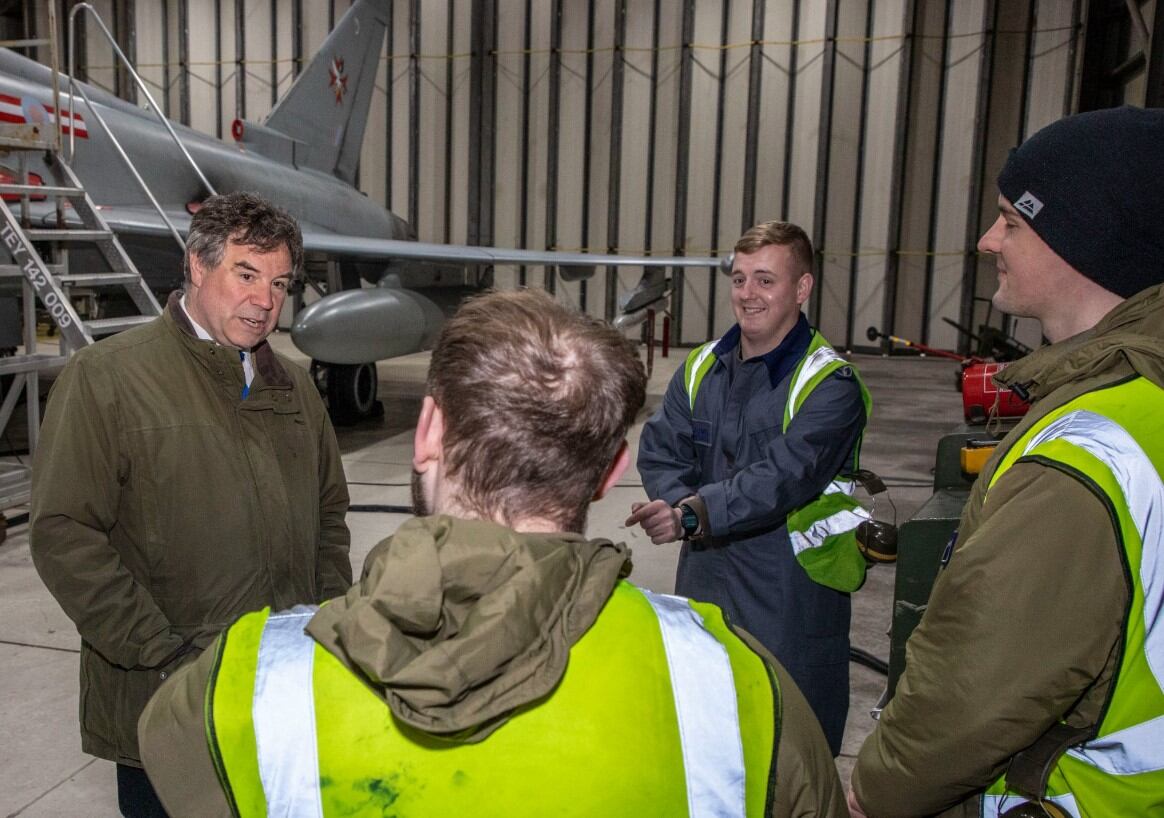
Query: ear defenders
x: 1032, y: 809
x: 876, y: 539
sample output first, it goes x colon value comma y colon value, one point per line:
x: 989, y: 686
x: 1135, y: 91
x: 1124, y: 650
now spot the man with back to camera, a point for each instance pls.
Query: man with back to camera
x: 186, y: 474
x: 490, y: 661
x: 745, y: 456
x: 1033, y: 685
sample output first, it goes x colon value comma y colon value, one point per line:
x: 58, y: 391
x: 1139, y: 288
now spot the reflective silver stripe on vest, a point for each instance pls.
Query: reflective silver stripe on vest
x: 841, y: 522
x: 814, y: 363
x: 284, y: 716
x: 1140, y: 748
x: 705, y: 706
x: 840, y: 486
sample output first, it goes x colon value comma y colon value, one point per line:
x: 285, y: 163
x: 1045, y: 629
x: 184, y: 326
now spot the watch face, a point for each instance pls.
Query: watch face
x: 689, y: 519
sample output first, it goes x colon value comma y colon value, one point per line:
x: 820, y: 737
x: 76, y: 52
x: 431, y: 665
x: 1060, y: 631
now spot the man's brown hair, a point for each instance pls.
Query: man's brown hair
x: 244, y: 218
x: 536, y: 398
x: 785, y: 234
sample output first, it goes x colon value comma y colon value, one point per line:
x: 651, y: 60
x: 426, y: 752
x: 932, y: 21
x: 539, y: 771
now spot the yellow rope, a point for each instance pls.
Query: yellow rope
x: 610, y: 49
x: 723, y: 252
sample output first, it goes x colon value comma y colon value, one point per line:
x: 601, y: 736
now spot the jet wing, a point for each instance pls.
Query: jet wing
x: 375, y: 248
x: 352, y: 326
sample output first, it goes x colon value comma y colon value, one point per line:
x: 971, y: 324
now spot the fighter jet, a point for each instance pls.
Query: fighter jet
x: 391, y: 292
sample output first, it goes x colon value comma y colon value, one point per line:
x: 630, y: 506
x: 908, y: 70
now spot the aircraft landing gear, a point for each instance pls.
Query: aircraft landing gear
x: 350, y: 390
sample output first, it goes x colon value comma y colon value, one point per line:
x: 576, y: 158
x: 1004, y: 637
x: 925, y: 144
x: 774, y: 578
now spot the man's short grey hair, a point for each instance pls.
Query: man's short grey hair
x: 244, y: 218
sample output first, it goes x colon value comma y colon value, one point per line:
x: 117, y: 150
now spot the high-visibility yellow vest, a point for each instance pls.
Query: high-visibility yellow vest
x: 822, y: 531
x: 1112, y: 439
x: 662, y: 711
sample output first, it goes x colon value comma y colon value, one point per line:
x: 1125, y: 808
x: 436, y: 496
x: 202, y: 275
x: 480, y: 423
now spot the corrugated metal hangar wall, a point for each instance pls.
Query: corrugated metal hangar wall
x: 631, y: 125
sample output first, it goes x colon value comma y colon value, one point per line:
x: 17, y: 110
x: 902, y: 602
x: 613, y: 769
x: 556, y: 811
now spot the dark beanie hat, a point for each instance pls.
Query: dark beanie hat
x: 1092, y: 187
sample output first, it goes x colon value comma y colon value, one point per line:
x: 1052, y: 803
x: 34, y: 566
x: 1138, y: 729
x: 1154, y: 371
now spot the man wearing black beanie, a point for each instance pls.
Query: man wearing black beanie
x: 1035, y: 682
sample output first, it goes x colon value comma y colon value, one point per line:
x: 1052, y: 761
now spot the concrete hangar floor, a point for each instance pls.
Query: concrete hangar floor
x: 44, y: 772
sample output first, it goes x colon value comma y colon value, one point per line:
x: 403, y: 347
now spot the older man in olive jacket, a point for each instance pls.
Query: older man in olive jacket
x: 186, y: 474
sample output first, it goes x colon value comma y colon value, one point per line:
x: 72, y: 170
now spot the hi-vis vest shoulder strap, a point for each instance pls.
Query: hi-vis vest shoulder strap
x: 699, y: 362
x: 820, y: 360
x: 293, y: 732
x: 823, y: 531
x: 1112, y: 440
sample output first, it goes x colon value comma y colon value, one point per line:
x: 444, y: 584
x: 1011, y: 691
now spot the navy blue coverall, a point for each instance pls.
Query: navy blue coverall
x: 732, y: 451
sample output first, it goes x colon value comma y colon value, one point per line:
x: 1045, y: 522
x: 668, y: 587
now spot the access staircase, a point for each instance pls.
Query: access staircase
x: 41, y: 225
x: 56, y: 218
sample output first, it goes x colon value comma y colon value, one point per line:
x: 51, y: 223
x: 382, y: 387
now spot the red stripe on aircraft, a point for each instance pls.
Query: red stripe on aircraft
x: 78, y: 122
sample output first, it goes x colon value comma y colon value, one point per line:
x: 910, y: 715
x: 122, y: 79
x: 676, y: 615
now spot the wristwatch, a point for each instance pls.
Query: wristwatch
x: 688, y: 520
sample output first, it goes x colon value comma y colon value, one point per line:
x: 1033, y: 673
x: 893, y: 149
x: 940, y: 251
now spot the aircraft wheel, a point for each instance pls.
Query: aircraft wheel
x: 351, y: 393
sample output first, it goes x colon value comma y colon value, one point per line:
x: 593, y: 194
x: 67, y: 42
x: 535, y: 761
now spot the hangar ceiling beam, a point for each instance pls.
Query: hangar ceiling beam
x: 389, y: 97
x: 752, y: 135
x: 125, y: 32
x: 482, y: 123
x: 790, y: 108
x: 183, y: 61
x: 982, y: 126
x: 683, y: 138
x: 476, y: 134
x: 274, y: 26
x: 523, y: 196
x: 297, y: 36
x: 652, y: 129
x: 553, y: 127
x: 936, y: 171
x: 901, y: 149
x: 218, y: 68
x: 824, y: 152
x: 614, y: 177
x: 858, y: 193
x: 587, y: 137
x: 414, y: 120
x: 240, y: 55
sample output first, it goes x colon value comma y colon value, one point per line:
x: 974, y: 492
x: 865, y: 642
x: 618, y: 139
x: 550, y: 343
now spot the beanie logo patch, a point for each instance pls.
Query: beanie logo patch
x: 1029, y: 204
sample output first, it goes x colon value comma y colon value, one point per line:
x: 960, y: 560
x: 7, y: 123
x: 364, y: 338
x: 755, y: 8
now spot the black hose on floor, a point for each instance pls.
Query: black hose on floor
x: 864, y: 657
x: 376, y: 508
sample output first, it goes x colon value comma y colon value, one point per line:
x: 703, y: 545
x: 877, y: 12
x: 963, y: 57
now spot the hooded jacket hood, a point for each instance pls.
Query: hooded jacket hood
x: 456, y: 623
x: 1128, y: 340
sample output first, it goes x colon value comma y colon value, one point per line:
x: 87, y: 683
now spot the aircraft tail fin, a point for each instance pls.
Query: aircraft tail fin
x: 326, y: 110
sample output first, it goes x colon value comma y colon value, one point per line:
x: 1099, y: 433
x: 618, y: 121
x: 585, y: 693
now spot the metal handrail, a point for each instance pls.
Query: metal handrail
x: 75, y: 89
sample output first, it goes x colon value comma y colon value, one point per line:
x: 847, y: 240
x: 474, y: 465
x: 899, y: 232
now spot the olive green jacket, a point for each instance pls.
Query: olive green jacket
x: 1025, y: 624
x: 164, y: 506
x: 456, y: 624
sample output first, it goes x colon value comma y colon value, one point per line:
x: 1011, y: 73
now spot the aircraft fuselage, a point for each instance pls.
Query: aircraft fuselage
x: 316, y: 199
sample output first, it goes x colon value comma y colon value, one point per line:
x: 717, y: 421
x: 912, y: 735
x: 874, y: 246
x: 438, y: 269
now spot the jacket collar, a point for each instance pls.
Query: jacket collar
x: 1127, y: 340
x: 267, y: 364
x: 779, y: 361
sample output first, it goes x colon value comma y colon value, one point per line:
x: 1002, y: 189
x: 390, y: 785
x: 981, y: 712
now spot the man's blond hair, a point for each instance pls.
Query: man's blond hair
x: 784, y: 234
